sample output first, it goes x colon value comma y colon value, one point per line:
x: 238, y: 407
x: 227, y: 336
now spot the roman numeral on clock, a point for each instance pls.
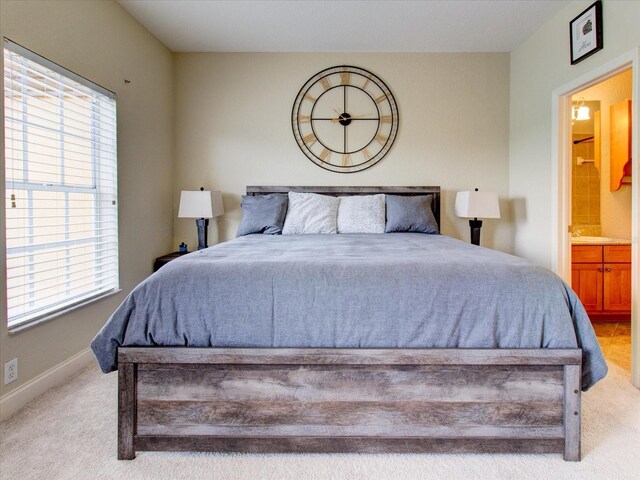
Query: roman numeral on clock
x: 324, y: 155
x: 309, y: 139
x: 381, y: 139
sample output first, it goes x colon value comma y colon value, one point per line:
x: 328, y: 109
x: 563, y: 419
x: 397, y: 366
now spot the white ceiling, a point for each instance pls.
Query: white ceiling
x: 342, y: 26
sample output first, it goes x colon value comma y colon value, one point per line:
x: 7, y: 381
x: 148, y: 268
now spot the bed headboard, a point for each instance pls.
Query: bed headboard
x: 339, y: 191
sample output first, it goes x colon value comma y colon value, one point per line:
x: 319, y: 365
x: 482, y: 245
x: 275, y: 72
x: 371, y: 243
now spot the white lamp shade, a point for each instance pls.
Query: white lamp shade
x: 477, y: 205
x: 216, y: 200
x: 200, y: 204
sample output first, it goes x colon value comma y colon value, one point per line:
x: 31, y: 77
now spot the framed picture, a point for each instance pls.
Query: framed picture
x: 585, y: 32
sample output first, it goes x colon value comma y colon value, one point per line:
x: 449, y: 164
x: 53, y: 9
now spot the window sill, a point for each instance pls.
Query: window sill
x: 37, y: 321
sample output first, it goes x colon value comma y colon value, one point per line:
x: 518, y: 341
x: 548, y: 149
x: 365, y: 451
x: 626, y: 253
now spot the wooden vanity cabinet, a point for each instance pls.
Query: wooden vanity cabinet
x: 601, y: 276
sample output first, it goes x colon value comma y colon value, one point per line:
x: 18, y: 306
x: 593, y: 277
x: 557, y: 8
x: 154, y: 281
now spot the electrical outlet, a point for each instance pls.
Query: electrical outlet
x: 11, y: 371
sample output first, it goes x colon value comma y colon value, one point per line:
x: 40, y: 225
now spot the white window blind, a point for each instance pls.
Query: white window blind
x: 60, y: 187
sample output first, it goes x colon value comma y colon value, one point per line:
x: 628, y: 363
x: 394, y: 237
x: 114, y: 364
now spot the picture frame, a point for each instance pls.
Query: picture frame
x: 585, y: 33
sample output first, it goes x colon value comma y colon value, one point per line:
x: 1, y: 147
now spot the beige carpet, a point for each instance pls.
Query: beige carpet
x: 70, y: 433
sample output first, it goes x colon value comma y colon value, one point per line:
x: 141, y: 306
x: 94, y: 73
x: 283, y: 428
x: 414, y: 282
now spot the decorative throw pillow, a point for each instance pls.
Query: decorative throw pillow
x: 361, y: 214
x: 311, y: 213
x: 263, y: 214
x: 410, y: 214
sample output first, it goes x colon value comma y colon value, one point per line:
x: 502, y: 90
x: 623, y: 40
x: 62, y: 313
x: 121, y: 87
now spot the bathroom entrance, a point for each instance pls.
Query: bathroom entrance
x: 601, y: 210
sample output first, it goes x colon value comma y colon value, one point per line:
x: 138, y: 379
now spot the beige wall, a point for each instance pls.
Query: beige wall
x: 615, y: 207
x: 233, y: 126
x: 539, y: 66
x: 100, y: 41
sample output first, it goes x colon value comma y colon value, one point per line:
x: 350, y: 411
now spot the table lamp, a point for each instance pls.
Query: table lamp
x: 474, y: 205
x: 201, y: 205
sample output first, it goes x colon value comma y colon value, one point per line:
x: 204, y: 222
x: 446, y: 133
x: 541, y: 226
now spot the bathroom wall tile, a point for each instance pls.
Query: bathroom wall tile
x: 581, y: 170
x: 582, y: 205
x: 581, y: 186
x: 594, y: 230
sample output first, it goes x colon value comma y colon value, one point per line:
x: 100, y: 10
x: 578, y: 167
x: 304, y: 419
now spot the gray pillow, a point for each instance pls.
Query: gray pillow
x: 410, y: 214
x: 263, y: 214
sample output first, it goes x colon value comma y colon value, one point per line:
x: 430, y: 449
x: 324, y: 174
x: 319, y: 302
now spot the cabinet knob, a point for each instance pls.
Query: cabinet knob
x: 607, y: 269
x: 600, y: 269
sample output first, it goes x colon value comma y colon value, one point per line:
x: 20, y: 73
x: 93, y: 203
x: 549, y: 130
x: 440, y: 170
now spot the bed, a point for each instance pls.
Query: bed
x: 350, y: 343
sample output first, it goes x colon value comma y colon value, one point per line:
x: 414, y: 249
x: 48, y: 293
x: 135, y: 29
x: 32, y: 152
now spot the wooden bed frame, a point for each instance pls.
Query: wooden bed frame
x: 349, y: 400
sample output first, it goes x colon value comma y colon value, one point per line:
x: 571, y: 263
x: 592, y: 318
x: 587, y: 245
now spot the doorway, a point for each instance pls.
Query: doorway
x: 562, y: 157
x: 601, y: 211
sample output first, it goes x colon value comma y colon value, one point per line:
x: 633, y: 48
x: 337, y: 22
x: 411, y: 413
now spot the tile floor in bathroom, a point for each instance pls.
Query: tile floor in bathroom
x: 615, y: 341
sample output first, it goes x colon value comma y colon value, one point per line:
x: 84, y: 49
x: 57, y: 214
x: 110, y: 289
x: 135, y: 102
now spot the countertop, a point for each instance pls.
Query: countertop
x: 586, y: 240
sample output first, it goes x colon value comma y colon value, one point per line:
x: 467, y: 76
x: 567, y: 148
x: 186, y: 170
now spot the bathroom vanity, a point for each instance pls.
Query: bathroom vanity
x: 601, y: 276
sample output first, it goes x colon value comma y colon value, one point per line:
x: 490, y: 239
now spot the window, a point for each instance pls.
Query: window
x: 60, y: 187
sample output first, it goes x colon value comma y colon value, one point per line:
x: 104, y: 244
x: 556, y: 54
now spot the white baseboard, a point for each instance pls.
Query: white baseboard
x: 18, y: 398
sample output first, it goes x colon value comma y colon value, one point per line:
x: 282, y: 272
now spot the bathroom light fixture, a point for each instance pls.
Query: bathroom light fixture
x: 580, y: 111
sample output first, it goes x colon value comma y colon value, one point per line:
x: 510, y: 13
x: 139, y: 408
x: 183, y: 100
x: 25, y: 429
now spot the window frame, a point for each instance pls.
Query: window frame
x: 96, y: 188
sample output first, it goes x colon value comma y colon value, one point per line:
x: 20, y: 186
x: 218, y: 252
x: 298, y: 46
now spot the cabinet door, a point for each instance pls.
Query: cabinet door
x: 586, y: 281
x: 619, y: 143
x: 617, y: 287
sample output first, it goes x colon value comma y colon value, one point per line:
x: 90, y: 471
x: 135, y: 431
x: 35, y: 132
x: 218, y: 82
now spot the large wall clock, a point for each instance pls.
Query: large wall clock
x: 345, y: 119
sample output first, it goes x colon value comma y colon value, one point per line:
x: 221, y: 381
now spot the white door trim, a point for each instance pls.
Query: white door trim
x: 561, y: 183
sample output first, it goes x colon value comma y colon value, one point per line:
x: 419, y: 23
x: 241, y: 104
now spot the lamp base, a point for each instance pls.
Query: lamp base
x: 203, y: 227
x: 475, y: 225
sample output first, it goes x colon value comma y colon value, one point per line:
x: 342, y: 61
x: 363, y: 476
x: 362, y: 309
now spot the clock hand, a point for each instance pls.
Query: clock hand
x: 361, y: 116
x: 349, y: 118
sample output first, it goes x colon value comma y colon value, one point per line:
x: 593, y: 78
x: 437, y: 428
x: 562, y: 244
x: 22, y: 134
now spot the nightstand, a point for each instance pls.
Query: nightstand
x: 161, y: 261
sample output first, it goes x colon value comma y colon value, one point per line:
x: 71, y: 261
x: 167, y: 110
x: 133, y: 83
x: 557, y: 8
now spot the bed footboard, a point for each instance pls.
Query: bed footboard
x: 349, y: 400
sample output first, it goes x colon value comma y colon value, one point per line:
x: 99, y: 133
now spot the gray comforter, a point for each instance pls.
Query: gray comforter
x: 399, y: 290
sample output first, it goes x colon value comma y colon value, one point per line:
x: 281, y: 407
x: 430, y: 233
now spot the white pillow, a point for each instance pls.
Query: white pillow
x: 311, y: 213
x: 361, y: 214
